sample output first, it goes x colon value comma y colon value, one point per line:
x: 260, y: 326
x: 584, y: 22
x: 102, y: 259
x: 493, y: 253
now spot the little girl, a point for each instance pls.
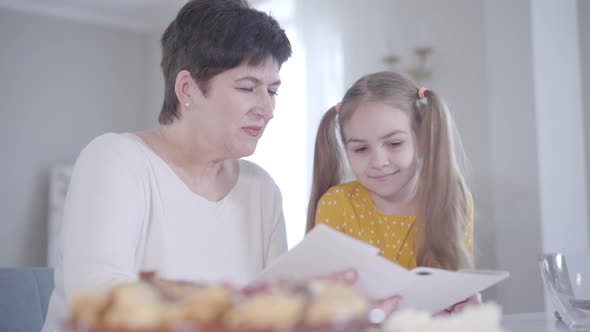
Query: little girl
x: 409, y: 198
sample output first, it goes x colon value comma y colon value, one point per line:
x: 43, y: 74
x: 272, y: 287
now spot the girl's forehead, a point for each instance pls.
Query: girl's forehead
x: 375, y: 119
x: 379, y: 112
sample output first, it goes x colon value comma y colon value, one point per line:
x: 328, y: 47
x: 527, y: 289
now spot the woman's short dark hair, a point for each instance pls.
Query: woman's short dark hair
x: 208, y: 37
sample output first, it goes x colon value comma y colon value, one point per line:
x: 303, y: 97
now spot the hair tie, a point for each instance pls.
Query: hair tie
x: 337, y: 106
x: 421, y: 92
x: 421, y: 100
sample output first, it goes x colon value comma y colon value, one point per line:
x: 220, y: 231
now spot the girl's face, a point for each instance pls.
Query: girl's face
x: 381, y: 149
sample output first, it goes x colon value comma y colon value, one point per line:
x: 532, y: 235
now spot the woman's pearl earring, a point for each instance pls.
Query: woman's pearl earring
x: 186, y: 104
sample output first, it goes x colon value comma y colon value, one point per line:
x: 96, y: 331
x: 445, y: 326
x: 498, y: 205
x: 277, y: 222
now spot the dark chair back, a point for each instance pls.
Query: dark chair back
x: 24, y: 297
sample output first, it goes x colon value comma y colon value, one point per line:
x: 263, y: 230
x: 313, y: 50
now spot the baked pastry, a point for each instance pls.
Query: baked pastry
x: 155, y: 304
x: 335, y: 304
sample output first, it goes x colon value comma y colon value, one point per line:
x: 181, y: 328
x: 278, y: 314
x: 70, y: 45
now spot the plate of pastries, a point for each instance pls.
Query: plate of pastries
x: 154, y: 304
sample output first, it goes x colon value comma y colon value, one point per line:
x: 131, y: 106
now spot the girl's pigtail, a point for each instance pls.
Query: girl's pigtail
x: 327, y: 163
x: 442, y: 192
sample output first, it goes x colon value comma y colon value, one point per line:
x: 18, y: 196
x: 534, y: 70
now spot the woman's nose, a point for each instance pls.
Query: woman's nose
x: 265, y: 106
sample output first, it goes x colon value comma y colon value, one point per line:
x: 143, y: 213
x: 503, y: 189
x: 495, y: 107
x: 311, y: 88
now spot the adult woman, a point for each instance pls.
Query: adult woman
x: 177, y: 198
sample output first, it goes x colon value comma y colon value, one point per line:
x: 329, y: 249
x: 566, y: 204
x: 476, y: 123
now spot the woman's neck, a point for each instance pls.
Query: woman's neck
x: 187, y: 150
x: 202, y: 171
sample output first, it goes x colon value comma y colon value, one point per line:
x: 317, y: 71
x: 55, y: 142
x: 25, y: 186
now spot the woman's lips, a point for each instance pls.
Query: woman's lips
x: 253, y: 131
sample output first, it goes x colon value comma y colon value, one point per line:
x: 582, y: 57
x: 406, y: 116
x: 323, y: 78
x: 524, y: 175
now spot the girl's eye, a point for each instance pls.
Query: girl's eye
x: 360, y: 149
x: 273, y: 93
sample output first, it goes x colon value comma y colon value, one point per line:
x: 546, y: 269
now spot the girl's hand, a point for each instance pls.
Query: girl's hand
x: 380, y: 309
x: 347, y: 277
x: 474, y: 299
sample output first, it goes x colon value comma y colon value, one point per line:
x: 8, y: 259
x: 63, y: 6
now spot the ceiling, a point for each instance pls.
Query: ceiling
x: 134, y: 14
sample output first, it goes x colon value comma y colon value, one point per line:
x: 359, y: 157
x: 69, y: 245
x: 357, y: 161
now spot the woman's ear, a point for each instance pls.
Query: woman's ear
x: 186, y: 89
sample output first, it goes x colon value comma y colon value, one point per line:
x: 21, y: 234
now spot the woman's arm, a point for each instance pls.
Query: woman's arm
x: 277, y: 245
x: 103, y: 218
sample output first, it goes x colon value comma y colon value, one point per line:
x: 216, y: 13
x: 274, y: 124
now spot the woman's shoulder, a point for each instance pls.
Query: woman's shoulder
x: 113, y: 143
x: 251, y: 171
x: 255, y: 181
x: 113, y: 149
x: 126, y: 141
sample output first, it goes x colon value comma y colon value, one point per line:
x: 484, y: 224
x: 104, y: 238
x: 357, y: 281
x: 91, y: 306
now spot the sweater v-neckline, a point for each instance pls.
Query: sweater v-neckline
x: 177, y: 178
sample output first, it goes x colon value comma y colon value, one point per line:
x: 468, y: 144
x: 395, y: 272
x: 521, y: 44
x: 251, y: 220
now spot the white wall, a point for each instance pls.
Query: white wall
x: 512, y: 131
x: 154, y: 57
x: 537, y: 140
x: 61, y: 84
x: 320, y: 26
x: 560, y: 136
x: 584, y: 31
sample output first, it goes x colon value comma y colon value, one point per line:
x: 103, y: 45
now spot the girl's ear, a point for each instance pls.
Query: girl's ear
x: 186, y: 89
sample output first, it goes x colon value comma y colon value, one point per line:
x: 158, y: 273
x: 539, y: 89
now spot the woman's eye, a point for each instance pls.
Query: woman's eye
x: 395, y: 144
x: 273, y: 93
x: 246, y: 89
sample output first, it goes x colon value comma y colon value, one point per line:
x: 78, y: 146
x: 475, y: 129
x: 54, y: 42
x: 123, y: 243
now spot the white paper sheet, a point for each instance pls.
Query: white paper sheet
x: 325, y: 251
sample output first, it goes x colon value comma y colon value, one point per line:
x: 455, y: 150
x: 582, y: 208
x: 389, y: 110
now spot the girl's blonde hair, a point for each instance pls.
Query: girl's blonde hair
x: 442, y: 198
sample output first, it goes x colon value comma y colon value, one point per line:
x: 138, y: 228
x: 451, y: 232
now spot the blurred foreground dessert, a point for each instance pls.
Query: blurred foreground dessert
x: 154, y: 304
x: 157, y: 305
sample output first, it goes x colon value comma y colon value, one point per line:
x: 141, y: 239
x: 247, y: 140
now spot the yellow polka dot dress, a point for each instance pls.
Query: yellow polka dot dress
x: 349, y: 208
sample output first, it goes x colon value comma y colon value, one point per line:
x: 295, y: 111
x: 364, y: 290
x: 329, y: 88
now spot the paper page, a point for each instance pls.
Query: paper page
x: 325, y: 251
x: 434, y: 290
x: 379, y: 278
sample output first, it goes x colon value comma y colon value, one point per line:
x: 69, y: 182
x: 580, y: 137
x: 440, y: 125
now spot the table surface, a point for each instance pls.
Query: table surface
x: 532, y: 322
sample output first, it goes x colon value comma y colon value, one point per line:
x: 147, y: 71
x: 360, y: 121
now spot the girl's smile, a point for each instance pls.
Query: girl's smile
x: 383, y: 177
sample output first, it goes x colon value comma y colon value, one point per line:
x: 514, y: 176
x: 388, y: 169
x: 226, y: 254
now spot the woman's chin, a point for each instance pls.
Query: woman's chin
x: 244, y: 150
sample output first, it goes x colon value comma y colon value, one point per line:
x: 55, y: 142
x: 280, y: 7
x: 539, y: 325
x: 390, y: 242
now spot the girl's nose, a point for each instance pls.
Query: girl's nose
x: 379, y: 158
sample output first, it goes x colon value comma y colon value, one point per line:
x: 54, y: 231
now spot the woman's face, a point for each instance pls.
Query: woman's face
x: 238, y: 105
x: 381, y: 149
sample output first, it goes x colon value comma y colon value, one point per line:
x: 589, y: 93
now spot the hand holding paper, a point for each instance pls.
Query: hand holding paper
x: 350, y: 277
